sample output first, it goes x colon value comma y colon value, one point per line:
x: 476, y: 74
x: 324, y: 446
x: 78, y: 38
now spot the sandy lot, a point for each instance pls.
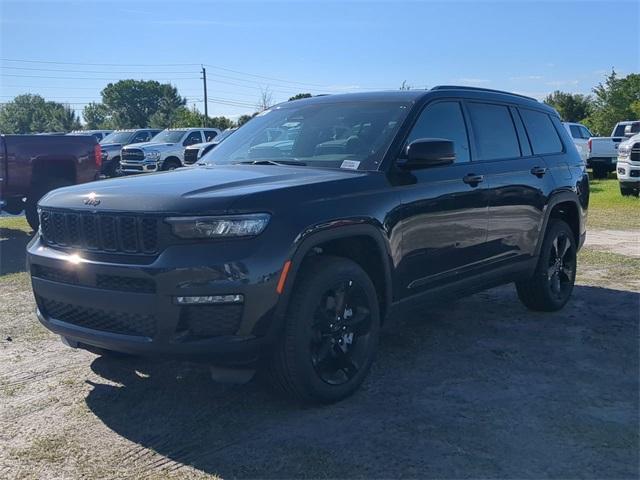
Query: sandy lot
x: 478, y: 388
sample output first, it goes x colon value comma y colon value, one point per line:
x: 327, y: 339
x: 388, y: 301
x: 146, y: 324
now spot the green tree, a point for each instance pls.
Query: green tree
x: 133, y: 103
x: 221, y: 123
x: 300, y: 95
x: 244, y: 119
x: 62, y: 118
x: 188, y: 118
x: 572, y: 107
x: 616, y: 99
x: 32, y: 113
x: 96, y: 115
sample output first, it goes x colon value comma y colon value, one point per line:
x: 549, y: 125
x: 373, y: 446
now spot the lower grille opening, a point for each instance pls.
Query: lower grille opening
x: 201, y: 321
x: 98, y: 319
x: 54, y: 274
x: 125, y: 284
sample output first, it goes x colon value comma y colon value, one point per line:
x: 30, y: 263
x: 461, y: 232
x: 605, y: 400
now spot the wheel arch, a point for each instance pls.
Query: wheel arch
x: 171, y: 158
x: 363, y: 243
x: 564, y: 206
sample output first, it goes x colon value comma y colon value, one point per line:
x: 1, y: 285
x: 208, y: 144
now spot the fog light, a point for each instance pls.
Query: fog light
x: 209, y: 299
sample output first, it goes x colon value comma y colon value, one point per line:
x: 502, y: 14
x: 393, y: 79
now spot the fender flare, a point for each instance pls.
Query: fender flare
x: 555, y: 199
x: 307, y: 241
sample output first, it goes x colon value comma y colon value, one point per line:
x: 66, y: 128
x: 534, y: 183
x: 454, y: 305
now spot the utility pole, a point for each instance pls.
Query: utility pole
x: 206, y: 104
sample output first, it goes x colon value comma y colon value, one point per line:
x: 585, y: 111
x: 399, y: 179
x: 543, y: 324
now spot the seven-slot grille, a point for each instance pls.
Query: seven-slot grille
x: 132, y: 154
x: 100, y: 232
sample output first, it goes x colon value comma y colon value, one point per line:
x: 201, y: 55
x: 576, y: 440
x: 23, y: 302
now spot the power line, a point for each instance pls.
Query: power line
x: 93, y: 78
x: 103, y: 64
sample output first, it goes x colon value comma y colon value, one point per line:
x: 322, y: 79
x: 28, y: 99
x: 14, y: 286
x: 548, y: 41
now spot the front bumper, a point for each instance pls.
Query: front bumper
x: 628, y: 172
x: 138, y: 167
x: 131, y: 307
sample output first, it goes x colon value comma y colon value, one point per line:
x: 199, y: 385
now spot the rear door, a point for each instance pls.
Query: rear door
x: 443, y: 217
x: 519, y: 179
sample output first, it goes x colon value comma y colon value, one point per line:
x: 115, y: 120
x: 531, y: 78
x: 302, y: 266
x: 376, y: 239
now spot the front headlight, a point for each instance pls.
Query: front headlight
x: 624, y: 150
x: 152, y: 154
x: 219, y: 227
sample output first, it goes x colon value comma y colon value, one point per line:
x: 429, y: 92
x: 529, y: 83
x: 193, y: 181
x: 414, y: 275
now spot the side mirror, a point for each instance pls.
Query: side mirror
x: 428, y: 152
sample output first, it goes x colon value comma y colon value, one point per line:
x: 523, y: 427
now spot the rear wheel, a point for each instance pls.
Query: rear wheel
x: 331, y: 332
x: 551, y: 285
x: 37, y: 192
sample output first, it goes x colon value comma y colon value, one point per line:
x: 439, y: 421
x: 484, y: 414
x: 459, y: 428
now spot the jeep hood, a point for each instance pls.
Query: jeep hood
x: 199, y: 190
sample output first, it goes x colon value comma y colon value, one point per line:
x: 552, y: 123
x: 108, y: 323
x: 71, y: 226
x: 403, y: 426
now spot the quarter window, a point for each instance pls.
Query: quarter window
x: 443, y: 120
x: 494, y: 132
x: 585, y: 132
x: 575, y: 131
x: 542, y: 134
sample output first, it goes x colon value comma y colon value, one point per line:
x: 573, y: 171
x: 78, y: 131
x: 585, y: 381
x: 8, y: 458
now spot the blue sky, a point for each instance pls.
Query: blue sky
x: 318, y: 47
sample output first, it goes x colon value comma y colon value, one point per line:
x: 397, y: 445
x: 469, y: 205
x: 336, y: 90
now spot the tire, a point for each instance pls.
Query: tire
x: 600, y: 173
x: 38, y: 191
x: 628, y: 191
x: 550, y: 287
x: 328, y: 344
x: 114, y: 168
x: 171, y: 164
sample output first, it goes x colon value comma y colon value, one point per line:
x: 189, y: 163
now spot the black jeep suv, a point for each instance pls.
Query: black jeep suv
x: 290, y: 244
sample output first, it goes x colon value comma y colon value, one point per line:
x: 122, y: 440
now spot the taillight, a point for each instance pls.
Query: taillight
x: 97, y: 151
x: 589, y: 143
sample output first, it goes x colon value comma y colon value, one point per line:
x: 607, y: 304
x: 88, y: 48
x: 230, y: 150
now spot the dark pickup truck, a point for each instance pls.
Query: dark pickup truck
x: 32, y: 165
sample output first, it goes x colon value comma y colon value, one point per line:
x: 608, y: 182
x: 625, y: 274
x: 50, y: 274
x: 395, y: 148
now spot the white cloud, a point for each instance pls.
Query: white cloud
x: 562, y: 83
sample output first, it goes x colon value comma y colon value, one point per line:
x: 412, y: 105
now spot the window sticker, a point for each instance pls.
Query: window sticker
x: 350, y: 164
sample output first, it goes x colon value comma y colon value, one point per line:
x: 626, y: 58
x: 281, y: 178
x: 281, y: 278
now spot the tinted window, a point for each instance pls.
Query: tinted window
x: 542, y: 133
x: 575, y: 131
x: 443, y: 120
x: 142, y: 137
x: 619, y: 131
x: 193, y: 138
x: 494, y: 132
x: 209, y: 135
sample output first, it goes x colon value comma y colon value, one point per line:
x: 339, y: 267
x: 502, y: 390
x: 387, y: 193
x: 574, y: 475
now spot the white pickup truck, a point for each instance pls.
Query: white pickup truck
x: 629, y: 166
x: 603, y: 151
x: 580, y: 135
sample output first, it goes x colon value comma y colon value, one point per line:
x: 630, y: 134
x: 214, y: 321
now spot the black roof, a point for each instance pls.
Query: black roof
x: 416, y: 95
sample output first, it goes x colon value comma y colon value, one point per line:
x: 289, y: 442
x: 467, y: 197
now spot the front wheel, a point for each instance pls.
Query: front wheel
x: 551, y: 285
x: 331, y: 332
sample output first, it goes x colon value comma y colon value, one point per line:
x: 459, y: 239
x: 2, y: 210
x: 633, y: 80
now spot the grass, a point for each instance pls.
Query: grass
x: 609, y: 209
x: 612, y: 268
x: 13, y: 223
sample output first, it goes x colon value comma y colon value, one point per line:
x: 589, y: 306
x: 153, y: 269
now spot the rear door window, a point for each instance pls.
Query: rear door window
x: 443, y: 120
x: 542, y: 134
x: 209, y: 135
x: 585, y: 132
x: 494, y: 131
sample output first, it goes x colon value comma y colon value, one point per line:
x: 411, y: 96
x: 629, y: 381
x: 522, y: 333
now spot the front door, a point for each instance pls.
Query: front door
x: 444, y: 209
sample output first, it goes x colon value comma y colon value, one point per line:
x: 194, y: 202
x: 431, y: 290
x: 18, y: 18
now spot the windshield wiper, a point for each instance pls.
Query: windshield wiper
x: 271, y: 162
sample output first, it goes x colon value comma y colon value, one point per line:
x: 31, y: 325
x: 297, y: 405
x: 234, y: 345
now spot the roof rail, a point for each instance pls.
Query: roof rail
x: 480, y: 89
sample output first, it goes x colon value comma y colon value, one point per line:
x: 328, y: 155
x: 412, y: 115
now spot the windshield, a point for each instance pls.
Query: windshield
x: 351, y: 135
x: 223, y: 135
x: 117, y: 137
x: 168, y: 136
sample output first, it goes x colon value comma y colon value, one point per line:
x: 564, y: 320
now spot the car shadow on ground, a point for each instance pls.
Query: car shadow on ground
x: 13, y: 244
x: 476, y: 388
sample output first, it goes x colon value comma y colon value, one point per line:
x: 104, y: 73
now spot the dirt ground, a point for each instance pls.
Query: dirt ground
x: 477, y: 388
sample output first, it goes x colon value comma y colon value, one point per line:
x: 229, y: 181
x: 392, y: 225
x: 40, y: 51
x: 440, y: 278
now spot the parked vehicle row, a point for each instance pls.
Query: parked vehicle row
x: 603, y: 151
x: 112, y: 145
x: 292, y: 241
x: 98, y: 134
x: 165, y: 151
x: 32, y: 165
